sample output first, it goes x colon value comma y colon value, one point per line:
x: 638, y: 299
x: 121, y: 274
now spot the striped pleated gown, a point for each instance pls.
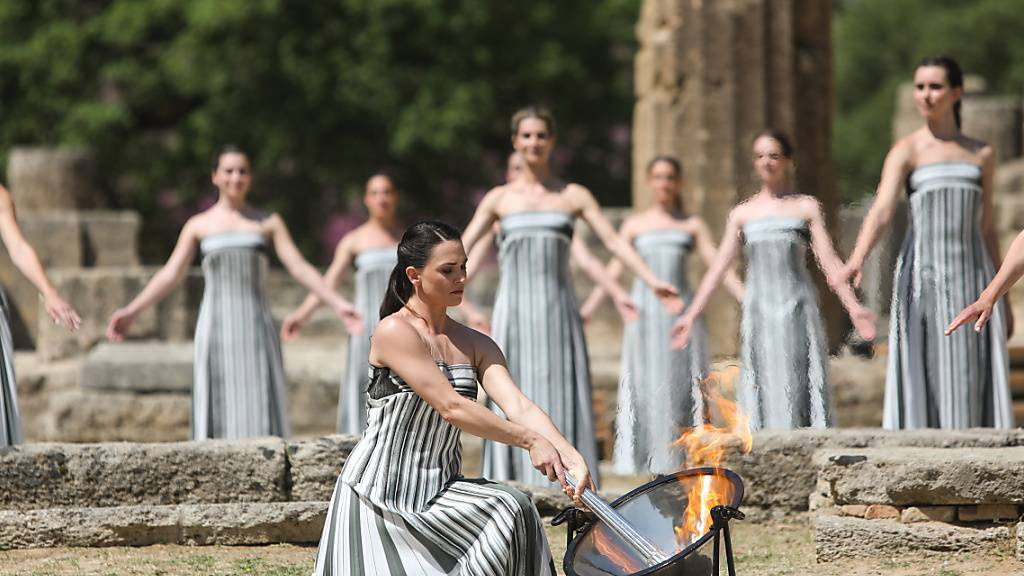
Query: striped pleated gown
x: 657, y: 391
x: 937, y: 381
x: 401, y: 508
x: 538, y: 326
x: 373, y: 268
x: 10, y: 423
x: 238, y: 388
x: 784, y: 381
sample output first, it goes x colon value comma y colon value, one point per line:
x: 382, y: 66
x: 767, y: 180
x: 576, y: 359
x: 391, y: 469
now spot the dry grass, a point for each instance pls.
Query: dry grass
x: 762, y: 550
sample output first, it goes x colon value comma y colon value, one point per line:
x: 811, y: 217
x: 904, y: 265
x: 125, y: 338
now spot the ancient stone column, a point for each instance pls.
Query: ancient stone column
x: 709, y: 75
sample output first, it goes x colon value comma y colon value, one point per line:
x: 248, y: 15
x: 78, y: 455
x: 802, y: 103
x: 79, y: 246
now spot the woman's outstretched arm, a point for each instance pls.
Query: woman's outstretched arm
x: 720, y: 265
x: 27, y: 262
x: 397, y: 345
x: 1009, y: 273
x: 160, y: 285
x: 894, y: 174
x: 308, y: 276
x: 344, y: 254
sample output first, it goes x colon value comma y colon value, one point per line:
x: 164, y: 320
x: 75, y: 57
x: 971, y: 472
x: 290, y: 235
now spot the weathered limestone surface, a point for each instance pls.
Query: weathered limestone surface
x: 52, y: 179
x: 710, y: 75
x: 838, y: 537
x: 143, y: 525
x: 82, y: 415
x: 141, y: 367
x: 911, y: 476
x: 34, y: 476
x: 1020, y: 541
x: 315, y: 465
x: 781, y: 473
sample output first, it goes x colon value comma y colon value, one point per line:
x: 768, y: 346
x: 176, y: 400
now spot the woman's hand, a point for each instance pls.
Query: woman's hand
x: 547, y: 460
x: 864, y: 322
x: 351, y: 317
x: 627, y: 308
x: 668, y: 296
x: 291, y: 327
x: 575, y: 465
x: 980, y: 312
x: 120, y: 321
x: 681, y: 332
x: 61, y: 312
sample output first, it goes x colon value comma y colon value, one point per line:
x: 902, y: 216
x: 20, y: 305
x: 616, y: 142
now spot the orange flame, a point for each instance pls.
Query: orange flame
x: 708, y: 445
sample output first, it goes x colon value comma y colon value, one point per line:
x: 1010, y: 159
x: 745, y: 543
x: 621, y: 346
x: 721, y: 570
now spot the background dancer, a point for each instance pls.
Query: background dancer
x: 370, y: 248
x: 784, y: 382
x: 657, y: 392
x: 400, y: 505
x: 536, y: 320
x: 27, y: 262
x: 238, y: 389
x: 947, y: 259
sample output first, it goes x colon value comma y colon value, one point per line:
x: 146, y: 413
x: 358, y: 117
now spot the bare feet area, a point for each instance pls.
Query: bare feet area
x: 762, y: 550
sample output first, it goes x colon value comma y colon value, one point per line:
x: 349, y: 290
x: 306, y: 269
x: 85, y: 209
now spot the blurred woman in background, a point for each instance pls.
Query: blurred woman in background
x: 238, y: 389
x: 370, y: 249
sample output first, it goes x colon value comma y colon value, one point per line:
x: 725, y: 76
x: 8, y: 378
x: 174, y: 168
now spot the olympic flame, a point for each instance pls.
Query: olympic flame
x: 725, y: 430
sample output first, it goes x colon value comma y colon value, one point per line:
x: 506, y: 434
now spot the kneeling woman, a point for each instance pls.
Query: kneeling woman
x: 401, y: 505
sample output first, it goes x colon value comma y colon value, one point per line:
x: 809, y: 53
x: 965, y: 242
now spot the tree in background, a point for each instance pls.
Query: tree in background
x: 878, y: 43
x: 323, y: 93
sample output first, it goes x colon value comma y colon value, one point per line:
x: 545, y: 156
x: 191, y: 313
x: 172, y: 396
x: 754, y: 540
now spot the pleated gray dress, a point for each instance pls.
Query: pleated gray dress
x: 10, y: 422
x: 238, y: 391
x: 373, y: 269
x: 937, y: 381
x: 657, y: 391
x: 784, y: 381
x: 400, y: 506
x: 537, y: 324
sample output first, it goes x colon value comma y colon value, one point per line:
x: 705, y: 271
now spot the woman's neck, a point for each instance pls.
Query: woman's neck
x: 944, y: 128
x: 434, y: 316
x: 778, y: 189
x: 227, y: 203
x: 536, y: 174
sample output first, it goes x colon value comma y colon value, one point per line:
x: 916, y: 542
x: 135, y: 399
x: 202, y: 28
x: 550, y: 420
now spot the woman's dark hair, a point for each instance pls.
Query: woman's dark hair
x: 672, y: 161
x: 779, y: 136
x: 228, y: 149
x: 414, y: 250
x: 954, y: 76
x: 533, y: 112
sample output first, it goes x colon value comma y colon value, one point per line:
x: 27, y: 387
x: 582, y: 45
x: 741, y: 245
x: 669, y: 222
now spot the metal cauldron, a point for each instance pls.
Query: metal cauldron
x: 653, y: 510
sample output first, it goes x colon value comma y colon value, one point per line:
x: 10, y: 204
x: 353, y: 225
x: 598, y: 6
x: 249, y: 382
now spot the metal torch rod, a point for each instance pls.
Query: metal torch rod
x: 650, y: 553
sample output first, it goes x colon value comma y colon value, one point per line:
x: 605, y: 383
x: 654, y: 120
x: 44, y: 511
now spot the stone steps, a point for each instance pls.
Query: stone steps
x: 837, y: 537
x: 144, y: 525
x: 254, y: 491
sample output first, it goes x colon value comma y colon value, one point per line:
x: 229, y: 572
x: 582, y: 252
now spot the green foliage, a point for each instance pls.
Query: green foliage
x: 877, y: 44
x: 323, y: 93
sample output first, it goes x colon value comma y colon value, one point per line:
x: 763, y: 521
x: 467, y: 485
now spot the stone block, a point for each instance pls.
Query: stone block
x: 140, y: 367
x: 988, y: 512
x: 52, y: 179
x: 35, y: 476
x: 549, y: 501
x: 314, y: 369
x: 314, y: 465
x: 858, y: 510
x: 928, y: 514
x: 782, y: 470
x: 110, y: 238
x: 103, y: 416
x: 97, y: 292
x: 928, y: 476
x: 229, y: 524
x: 1020, y: 541
x: 837, y: 537
x: 38, y: 384
x: 881, y: 512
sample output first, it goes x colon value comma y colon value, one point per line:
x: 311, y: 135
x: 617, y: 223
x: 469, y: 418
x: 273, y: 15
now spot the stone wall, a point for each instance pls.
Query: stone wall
x: 708, y: 77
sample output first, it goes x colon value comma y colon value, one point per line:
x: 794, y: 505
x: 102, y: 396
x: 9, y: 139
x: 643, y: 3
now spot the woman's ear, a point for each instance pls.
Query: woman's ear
x: 413, y: 275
